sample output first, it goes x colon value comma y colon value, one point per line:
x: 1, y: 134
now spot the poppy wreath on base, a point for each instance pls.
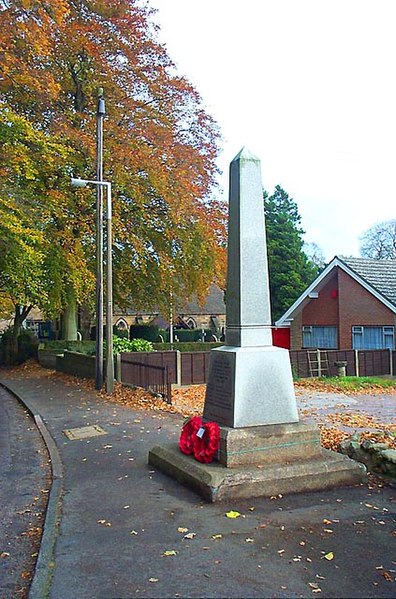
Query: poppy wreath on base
x: 207, y: 442
x: 188, y: 434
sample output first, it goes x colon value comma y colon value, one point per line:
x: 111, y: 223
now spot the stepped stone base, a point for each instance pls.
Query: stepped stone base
x: 274, y: 443
x: 261, y: 461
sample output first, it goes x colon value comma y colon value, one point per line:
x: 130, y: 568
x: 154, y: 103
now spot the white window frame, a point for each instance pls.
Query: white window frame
x: 387, y: 333
x: 311, y: 330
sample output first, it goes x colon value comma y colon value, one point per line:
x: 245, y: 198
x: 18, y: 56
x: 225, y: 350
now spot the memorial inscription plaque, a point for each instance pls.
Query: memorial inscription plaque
x: 220, y: 388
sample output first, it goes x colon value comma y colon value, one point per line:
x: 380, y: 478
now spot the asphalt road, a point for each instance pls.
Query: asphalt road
x: 24, y: 480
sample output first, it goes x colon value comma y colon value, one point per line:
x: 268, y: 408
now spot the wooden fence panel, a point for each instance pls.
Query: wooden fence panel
x: 374, y: 362
x: 157, y: 358
x: 299, y: 363
x: 346, y: 355
x: 194, y: 367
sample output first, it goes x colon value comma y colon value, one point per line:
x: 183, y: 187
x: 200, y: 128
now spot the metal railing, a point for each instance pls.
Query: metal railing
x: 148, y: 376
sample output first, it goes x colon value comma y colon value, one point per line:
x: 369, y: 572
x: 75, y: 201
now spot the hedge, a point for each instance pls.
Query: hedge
x: 144, y: 331
x: 186, y: 347
x: 82, y: 347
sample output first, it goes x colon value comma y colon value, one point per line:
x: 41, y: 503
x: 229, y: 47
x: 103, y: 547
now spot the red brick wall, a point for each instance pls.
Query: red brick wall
x: 343, y: 303
x: 323, y: 311
x: 358, y: 307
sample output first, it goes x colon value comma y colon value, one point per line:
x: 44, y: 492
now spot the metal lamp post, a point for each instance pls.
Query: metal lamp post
x: 109, y: 271
x: 100, y: 114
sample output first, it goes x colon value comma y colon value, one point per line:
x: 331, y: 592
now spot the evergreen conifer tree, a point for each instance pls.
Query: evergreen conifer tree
x: 290, y: 270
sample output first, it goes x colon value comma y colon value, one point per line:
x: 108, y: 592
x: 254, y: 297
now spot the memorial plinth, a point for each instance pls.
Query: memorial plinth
x: 264, y: 449
x: 250, y: 386
x: 215, y: 482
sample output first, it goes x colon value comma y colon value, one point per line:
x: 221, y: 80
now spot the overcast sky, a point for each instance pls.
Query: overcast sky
x: 309, y: 86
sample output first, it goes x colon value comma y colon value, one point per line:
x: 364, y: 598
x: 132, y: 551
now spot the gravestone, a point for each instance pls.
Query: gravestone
x: 264, y: 449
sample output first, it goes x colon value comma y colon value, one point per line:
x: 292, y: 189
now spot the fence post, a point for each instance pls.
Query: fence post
x: 178, y: 368
x: 168, y: 385
x: 390, y: 362
x: 118, y: 367
x: 357, y: 362
x: 319, y: 363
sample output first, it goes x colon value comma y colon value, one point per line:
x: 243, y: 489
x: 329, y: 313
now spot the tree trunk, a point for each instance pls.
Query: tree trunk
x: 69, y: 320
x: 11, y: 341
x: 86, y: 322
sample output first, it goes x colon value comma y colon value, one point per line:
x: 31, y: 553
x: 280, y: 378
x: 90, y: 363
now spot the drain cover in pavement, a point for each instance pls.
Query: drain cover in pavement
x: 84, y: 431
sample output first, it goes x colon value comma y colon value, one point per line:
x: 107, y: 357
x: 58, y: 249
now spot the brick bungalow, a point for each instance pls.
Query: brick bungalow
x: 350, y: 305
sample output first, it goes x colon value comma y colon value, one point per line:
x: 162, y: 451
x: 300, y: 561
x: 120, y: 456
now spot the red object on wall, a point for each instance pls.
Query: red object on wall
x: 281, y: 337
x: 334, y: 293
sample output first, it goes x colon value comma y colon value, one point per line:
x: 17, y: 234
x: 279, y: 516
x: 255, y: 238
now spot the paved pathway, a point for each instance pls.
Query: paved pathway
x: 118, y: 518
x: 317, y: 406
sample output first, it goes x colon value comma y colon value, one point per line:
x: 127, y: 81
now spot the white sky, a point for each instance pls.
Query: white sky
x: 309, y: 86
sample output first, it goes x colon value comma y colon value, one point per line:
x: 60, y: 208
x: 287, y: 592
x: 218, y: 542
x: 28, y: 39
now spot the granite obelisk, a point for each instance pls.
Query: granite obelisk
x: 264, y: 450
x: 250, y: 380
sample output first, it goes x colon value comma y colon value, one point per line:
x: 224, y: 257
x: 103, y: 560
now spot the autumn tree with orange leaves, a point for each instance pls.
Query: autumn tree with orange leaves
x: 160, y: 149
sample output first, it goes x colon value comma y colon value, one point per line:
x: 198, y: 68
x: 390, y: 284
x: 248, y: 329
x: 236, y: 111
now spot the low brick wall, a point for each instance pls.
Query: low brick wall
x: 47, y: 357
x: 80, y: 365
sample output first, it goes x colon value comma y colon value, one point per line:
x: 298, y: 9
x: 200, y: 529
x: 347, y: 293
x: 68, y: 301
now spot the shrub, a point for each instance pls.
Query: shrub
x: 123, y: 333
x: 82, y: 347
x: 144, y: 331
x: 189, y: 335
x: 135, y: 345
x: 186, y: 347
x: 27, y: 346
x: 164, y: 334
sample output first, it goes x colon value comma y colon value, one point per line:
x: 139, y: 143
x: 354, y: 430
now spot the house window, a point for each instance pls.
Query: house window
x: 319, y: 337
x: 373, y: 337
x: 191, y: 323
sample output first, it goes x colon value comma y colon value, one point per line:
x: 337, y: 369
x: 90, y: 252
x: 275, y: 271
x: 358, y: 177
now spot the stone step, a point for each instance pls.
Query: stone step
x: 215, y: 482
x: 269, y: 444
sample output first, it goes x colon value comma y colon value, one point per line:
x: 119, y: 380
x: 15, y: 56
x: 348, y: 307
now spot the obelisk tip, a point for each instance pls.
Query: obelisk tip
x: 245, y: 155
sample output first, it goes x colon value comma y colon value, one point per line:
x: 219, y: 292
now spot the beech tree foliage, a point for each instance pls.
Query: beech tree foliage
x: 379, y: 241
x: 290, y: 270
x: 160, y: 148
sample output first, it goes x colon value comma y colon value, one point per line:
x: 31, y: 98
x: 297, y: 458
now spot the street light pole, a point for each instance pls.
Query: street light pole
x: 109, y: 273
x: 109, y: 298
x: 101, y: 111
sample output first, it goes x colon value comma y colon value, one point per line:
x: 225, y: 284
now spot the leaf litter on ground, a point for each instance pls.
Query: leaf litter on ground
x: 189, y: 401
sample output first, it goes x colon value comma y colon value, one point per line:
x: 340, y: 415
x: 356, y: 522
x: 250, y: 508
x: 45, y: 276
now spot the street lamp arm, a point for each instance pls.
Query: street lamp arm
x: 77, y: 182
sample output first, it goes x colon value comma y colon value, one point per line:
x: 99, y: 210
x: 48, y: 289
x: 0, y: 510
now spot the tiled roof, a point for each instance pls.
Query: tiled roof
x: 380, y: 274
x: 214, y: 303
x: 377, y: 276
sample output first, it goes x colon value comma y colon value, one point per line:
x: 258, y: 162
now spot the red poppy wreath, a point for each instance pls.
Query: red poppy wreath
x: 206, y: 446
x: 188, y: 434
x: 201, y: 439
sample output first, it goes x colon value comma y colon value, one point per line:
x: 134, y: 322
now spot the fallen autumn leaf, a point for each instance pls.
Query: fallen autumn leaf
x: 232, y: 514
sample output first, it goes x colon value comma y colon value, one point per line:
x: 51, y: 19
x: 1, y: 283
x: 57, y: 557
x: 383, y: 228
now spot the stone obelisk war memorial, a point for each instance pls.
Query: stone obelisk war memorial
x: 264, y: 449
